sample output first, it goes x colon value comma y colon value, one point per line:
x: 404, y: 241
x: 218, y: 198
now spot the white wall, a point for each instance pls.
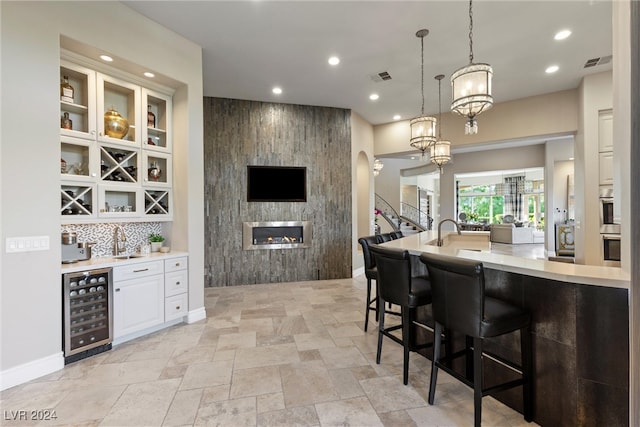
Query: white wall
x: 557, y: 165
x: 595, y: 96
x: 30, y: 294
x: 362, y: 187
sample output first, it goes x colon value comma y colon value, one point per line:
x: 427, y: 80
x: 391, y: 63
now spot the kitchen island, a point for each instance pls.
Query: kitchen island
x: 580, y: 316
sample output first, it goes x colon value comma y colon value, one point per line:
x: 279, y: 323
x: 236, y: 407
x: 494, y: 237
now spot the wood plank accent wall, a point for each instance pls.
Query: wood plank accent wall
x: 238, y: 133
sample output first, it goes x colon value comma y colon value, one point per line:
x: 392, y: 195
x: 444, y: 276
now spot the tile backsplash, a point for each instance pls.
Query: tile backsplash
x: 137, y: 233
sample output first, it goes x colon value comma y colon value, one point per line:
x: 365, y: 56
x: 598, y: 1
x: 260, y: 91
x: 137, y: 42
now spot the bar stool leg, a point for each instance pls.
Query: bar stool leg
x: 477, y: 381
x: 380, y: 329
x: 366, y: 313
x: 406, y: 341
x: 437, y: 336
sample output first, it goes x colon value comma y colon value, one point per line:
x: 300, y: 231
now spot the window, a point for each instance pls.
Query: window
x: 480, y: 203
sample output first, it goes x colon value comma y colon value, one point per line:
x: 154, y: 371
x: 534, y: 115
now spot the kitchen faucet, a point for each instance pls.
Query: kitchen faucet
x: 119, y: 246
x: 440, y: 229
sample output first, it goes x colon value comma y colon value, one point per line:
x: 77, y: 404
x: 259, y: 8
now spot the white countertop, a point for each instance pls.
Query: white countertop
x: 612, y: 277
x: 103, y: 262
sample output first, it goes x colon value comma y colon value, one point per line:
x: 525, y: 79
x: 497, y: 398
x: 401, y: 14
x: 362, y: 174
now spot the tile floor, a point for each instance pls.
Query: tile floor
x: 267, y: 355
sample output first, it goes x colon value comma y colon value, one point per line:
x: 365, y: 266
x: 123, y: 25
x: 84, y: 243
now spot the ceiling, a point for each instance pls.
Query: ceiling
x: 251, y: 46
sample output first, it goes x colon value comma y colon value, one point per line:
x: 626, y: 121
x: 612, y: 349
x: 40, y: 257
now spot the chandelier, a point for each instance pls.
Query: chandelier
x: 441, y: 149
x: 377, y: 167
x: 423, y: 128
x: 471, y: 87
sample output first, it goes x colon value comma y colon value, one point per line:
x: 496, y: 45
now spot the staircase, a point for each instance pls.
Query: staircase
x: 409, y: 224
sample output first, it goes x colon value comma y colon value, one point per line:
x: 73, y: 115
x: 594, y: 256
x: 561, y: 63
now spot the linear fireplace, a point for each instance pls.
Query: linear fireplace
x: 276, y: 235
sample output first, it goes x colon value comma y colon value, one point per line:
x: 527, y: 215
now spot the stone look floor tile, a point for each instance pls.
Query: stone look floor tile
x: 306, y: 383
x: 207, y: 374
x: 142, y: 404
x: 184, y: 408
x: 349, y: 412
x: 235, y: 412
x: 271, y: 355
x: 255, y: 381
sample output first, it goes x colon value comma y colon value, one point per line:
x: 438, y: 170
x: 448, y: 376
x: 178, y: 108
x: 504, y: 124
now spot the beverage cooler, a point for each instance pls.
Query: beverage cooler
x: 88, y: 313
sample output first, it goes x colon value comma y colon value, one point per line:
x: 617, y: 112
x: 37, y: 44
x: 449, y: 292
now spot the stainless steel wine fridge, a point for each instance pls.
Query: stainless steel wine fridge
x: 88, y: 313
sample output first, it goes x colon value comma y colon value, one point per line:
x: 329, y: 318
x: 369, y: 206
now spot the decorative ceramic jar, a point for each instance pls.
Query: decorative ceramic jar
x: 115, y: 125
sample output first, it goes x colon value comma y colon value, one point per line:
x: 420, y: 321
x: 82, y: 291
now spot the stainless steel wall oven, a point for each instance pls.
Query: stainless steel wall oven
x: 611, y: 249
x: 87, y: 312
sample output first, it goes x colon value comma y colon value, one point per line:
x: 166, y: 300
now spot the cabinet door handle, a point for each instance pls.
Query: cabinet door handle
x: 177, y: 307
x: 177, y: 264
x: 117, y: 289
x: 140, y: 271
x: 177, y: 283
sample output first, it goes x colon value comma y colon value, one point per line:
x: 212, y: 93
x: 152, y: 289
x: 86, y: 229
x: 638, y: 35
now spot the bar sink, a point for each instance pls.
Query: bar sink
x: 128, y: 256
x: 470, y: 240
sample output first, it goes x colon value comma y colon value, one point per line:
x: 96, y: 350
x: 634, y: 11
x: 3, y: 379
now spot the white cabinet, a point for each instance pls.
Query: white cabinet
x: 605, y: 131
x: 606, y: 168
x: 121, y: 179
x: 176, y: 288
x: 139, y: 301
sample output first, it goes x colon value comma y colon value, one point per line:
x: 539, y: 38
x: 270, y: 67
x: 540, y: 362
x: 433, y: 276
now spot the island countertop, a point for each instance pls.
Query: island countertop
x: 596, y: 275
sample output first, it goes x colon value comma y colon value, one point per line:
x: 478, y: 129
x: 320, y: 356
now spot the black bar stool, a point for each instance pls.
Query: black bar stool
x: 371, y: 273
x: 459, y: 304
x: 396, y: 235
x: 384, y: 237
x: 395, y: 285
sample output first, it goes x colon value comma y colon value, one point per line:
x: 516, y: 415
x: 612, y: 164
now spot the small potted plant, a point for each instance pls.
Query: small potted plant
x: 156, y: 241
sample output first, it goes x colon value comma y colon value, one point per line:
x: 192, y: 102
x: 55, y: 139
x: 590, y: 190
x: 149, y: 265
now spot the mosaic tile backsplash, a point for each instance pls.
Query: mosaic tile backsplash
x: 102, y: 234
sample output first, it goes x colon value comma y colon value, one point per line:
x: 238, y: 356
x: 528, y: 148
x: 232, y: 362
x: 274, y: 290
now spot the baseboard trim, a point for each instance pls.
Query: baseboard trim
x: 31, y: 370
x: 196, y: 315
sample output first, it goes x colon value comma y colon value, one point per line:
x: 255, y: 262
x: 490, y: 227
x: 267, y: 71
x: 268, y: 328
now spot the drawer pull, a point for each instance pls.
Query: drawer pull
x: 177, y: 307
x: 177, y: 264
x: 118, y: 290
x: 177, y: 283
x: 140, y: 271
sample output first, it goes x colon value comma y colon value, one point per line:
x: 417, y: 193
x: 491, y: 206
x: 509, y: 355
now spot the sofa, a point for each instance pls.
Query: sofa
x: 509, y: 233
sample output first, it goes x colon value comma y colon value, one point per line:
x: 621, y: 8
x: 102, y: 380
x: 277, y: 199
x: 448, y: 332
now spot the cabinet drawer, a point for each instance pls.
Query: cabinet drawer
x: 176, y: 282
x: 132, y: 271
x: 175, y: 307
x: 175, y: 264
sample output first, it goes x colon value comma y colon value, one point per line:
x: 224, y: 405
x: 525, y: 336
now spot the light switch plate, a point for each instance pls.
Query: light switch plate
x: 27, y: 244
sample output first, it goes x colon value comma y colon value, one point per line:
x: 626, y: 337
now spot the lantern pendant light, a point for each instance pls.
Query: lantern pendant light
x: 423, y: 128
x: 441, y: 150
x: 471, y: 87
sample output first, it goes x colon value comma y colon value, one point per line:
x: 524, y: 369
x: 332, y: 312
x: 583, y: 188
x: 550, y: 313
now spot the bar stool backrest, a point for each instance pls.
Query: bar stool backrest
x: 366, y: 242
x: 394, y: 274
x: 384, y: 237
x: 457, y: 289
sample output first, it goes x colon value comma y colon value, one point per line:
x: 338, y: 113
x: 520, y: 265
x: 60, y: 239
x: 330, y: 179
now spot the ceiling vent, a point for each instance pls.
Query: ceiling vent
x: 597, y: 61
x: 379, y: 77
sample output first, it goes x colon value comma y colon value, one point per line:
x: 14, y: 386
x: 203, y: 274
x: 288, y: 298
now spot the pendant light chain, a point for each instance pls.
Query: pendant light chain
x: 439, y: 106
x: 470, y: 32
x: 422, y: 72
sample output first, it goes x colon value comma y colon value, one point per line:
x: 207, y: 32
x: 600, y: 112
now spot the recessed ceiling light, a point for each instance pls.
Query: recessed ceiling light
x: 374, y: 96
x: 106, y: 58
x: 552, y: 69
x: 561, y: 35
x: 570, y: 158
x: 277, y: 90
x: 397, y: 117
x: 149, y: 74
x: 334, y: 60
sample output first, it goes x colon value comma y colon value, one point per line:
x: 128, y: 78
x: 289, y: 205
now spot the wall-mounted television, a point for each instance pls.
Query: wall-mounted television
x: 276, y: 184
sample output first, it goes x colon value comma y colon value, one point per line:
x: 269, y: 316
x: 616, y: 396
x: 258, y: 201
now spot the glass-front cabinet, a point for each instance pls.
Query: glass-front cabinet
x: 115, y: 146
x: 119, y: 106
x: 77, y: 101
x: 156, y: 134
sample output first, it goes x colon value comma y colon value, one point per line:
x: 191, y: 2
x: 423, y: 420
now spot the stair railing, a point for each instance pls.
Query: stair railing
x: 388, y: 213
x: 415, y: 215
